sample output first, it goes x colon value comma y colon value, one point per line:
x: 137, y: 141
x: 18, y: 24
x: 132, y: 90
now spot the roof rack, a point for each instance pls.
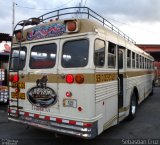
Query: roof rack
x: 89, y: 14
x: 76, y: 12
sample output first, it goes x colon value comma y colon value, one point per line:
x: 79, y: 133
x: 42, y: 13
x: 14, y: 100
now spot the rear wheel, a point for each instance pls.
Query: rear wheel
x: 151, y: 93
x: 133, y: 107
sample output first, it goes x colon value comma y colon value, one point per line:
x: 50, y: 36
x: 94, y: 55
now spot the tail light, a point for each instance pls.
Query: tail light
x: 79, y: 78
x: 16, y: 78
x: 11, y: 78
x: 69, y: 78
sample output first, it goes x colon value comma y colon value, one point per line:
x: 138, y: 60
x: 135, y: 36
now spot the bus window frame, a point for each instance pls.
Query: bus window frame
x: 77, y: 39
x: 10, y: 58
x: 104, y: 65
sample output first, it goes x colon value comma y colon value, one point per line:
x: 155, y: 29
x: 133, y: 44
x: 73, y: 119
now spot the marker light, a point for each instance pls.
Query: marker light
x: 16, y: 78
x: 11, y: 78
x: 69, y: 78
x: 18, y: 35
x: 17, y: 90
x: 68, y: 94
x: 79, y: 78
x: 71, y: 26
x: 79, y: 109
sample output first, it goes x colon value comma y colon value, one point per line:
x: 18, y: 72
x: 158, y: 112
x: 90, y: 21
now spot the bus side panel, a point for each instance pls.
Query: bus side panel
x: 106, y: 104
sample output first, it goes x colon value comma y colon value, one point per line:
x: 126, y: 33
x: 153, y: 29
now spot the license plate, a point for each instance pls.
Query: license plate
x: 70, y: 103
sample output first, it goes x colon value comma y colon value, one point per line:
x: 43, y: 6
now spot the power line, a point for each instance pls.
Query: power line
x: 43, y: 9
x: 130, y: 25
x: 85, y: 3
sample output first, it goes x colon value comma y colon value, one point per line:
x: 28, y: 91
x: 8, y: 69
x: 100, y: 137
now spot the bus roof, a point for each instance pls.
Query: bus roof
x: 61, y: 27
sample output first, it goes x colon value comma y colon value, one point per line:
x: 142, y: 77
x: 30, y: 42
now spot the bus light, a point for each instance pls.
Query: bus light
x: 68, y: 94
x: 79, y: 78
x: 17, y: 90
x: 16, y: 78
x: 69, y: 79
x: 72, y: 25
x: 11, y: 78
x: 18, y: 35
x: 80, y: 109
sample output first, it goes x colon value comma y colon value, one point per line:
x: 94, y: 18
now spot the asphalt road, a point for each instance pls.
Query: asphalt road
x: 144, y: 129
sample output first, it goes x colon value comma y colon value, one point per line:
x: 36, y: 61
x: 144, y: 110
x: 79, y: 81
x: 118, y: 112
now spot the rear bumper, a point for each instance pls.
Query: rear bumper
x: 62, y: 128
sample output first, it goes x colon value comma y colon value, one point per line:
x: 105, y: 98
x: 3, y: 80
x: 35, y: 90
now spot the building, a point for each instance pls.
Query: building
x: 154, y: 50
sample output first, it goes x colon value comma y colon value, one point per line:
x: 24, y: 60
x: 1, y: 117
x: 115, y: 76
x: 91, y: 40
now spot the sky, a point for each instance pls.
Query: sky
x: 139, y: 19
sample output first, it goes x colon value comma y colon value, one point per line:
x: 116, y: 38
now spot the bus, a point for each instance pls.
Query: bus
x: 4, y: 59
x: 76, y: 75
x: 157, y: 72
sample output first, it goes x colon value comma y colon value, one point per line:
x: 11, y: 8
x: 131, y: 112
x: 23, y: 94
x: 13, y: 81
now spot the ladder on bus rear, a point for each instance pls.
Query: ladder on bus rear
x: 31, y: 21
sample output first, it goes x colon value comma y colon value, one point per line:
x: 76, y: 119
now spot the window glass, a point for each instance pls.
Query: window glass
x: 43, y: 56
x: 111, y: 55
x: 15, y: 62
x: 147, y: 64
x: 99, y: 54
x: 120, y: 57
x: 75, y: 53
x: 142, y: 62
x: 128, y: 58
x: 133, y: 60
x: 137, y: 61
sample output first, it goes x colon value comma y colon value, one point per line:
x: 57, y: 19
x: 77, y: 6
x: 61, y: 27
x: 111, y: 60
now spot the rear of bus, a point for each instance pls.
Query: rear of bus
x: 52, y: 79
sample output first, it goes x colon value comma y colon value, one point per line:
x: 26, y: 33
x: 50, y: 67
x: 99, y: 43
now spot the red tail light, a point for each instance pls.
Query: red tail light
x: 69, y: 78
x: 11, y: 78
x: 16, y: 78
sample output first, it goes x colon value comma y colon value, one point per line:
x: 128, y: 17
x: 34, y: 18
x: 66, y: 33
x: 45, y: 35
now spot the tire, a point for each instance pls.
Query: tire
x: 151, y: 93
x: 133, y: 107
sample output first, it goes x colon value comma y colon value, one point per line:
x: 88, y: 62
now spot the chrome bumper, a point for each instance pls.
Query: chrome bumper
x: 62, y: 128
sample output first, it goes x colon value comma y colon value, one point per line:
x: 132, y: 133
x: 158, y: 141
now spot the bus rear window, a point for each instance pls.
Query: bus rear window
x: 43, y: 56
x: 17, y: 63
x: 75, y: 53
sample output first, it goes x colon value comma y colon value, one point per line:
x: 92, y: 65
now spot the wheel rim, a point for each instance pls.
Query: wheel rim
x: 133, y: 108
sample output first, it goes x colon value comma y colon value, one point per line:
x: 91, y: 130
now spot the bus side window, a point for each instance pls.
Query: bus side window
x: 137, y: 61
x: 111, y: 55
x: 128, y: 59
x: 120, y: 59
x: 99, y: 54
x: 133, y: 60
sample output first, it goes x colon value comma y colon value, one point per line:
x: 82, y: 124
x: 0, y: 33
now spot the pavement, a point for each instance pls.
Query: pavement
x: 144, y: 129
